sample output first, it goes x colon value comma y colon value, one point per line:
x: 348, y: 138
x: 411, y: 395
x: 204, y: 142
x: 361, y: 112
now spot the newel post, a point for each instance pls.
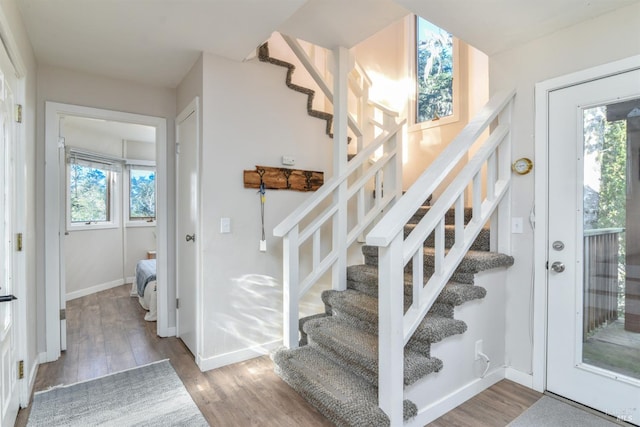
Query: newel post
x: 501, y: 219
x: 290, y: 289
x: 391, y: 330
x: 342, y: 59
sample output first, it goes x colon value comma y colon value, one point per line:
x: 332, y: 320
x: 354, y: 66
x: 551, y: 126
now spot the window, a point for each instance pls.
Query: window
x: 435, y: 61
x: 92, y: 200
x: 89, y: 194
x: 142, y: 194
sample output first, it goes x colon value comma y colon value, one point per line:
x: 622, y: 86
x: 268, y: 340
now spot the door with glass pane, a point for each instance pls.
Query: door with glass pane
x: 594, y: 244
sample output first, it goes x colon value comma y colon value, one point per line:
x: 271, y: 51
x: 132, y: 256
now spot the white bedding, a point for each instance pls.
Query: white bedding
x: 150, y: 300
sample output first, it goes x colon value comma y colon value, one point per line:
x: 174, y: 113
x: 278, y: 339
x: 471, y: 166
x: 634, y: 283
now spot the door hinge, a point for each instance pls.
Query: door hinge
x: 177, y: 303
x: 20, y: 369
x: 63, y: 314
x: 19, y: 242
x: 18, y: 113
x: 177, y: 148
x: 546, y: 265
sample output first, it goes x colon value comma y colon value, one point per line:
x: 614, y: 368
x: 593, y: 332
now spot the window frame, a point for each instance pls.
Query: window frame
x: 113, y: 214
x: 414, y: 125
x: 126, y: 202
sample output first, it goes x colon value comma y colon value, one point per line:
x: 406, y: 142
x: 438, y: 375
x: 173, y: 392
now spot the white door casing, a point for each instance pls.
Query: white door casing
x: 9, y: 396
x: 560, y: 104
x: 188, y: 235
x: 55, y: 222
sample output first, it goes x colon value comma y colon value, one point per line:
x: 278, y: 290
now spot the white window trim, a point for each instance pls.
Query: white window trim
x: 136, y: 164
x: 114, y: 206
x: 410, y: 25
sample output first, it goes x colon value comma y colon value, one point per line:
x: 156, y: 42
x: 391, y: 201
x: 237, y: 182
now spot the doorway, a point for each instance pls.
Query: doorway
x: 590, y: 238
x: 57, y: 204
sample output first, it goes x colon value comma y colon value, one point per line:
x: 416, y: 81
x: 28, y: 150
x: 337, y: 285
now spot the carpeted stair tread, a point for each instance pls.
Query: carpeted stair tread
x: 473, y: 261
x: 343, y: 397
x: 433, y: 327
x: 449, y: 216
x: 302, y: 321
x: 364, y: 278
x: 482, y: 242
x: 343, y: 340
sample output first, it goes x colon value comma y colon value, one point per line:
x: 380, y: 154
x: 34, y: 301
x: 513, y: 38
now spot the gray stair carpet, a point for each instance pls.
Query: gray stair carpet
x: 345, y: 398
x: 336, y: 366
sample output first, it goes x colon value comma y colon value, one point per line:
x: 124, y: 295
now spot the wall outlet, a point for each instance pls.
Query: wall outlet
x: 478, y: 349
x: 288, y: 160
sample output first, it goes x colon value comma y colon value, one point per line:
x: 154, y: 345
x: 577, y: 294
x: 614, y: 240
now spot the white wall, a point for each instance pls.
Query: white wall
x: 386, y: 57
x: 73, y: 87
x: 18, y: 31
x: 250, y: 118
x: 604, y: 39
x: 98, y: 259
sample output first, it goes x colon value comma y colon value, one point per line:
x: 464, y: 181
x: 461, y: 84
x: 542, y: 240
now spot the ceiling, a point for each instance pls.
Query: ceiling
x: 114, y: 130
x: 157, y: 41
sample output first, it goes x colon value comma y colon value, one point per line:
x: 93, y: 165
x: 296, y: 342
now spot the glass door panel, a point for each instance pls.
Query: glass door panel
x: 611, y: 238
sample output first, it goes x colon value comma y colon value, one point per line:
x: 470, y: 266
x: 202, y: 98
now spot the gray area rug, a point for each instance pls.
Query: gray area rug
x: 151, y: 395
x: 550, y: 412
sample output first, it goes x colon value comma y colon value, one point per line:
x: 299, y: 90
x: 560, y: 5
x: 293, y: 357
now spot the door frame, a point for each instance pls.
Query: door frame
x: 20, y: 211
x: 541, y: 185
x: 192, y: 108
x: 54, y: 259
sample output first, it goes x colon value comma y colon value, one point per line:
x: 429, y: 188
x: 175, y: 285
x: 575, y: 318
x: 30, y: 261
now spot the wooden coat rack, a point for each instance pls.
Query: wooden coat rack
x: 283, y: 179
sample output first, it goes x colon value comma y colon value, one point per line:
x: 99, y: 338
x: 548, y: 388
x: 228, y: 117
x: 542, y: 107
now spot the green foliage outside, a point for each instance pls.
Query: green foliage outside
x: 608, y: 141
x: 434, y: 72
x: 88, y: 194
x: 142, y: 194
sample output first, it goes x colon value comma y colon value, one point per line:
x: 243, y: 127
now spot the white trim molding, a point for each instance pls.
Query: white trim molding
x: 54, y: 220
x: 542, y: 91
x: 93, y: 289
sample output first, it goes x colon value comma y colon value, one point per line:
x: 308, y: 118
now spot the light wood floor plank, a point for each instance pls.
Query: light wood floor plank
x: 107, y: 333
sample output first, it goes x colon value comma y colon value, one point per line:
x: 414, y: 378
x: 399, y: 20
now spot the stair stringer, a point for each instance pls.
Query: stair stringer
x: 460, y: 378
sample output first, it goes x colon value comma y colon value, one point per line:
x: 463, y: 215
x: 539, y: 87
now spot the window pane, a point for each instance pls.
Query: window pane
x: 142, y: 194
x: 434, y: 63
x: 89, y: 194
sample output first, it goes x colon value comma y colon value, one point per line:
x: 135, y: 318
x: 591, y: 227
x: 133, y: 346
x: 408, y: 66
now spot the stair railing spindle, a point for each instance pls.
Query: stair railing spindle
x: 290, y: 288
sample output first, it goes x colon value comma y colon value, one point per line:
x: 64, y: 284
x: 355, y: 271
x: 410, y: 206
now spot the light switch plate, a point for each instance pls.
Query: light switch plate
x: 517, y: 225
x: 225, y: 225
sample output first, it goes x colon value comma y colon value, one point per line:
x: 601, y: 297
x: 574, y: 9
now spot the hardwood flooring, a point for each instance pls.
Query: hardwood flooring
x: 106, y: 333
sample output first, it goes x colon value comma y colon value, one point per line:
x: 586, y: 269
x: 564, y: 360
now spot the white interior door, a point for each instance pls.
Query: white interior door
x: 594, y: 244
x: 8, y: 344
x: 187, y: 220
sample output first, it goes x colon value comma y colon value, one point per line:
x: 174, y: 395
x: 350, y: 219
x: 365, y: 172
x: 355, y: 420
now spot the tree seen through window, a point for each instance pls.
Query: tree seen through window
x: 89, y: 194
x: 142, y: 194
x: 434, y: 71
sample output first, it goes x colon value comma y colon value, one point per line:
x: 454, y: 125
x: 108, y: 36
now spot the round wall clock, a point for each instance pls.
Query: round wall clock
x: 522, y: 166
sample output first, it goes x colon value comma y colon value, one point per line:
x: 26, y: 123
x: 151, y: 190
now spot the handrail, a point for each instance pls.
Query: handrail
x: 396, y: 326
x: 424, y: 186
x: 287, y: 224
x: 316, y: 75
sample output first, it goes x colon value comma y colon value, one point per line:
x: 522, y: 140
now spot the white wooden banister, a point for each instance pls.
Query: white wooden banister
x: 317, y: 77
x: 425, y: 185
x: 488, y: 194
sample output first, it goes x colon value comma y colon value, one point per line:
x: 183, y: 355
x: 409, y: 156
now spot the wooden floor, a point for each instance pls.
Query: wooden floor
x: 107, y: 333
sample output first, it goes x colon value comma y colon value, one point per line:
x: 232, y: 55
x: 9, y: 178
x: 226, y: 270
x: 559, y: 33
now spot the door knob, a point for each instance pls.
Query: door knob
x: 190, y: 237
x: 557, y: 266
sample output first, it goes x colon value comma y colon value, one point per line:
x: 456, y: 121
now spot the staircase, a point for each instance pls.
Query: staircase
x: 336, y: 366
x: 359, y: 360
x: 263, y: 56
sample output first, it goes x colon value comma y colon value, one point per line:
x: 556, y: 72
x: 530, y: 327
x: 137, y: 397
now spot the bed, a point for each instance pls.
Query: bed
x: 145, y: 288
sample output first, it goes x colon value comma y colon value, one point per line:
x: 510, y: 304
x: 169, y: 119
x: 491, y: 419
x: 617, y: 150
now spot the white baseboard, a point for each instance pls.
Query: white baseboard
x: 130, y: 279
x: 93, y: 289
x: 519, y: 377
x: 206, y: 364
x: 436, y: 409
